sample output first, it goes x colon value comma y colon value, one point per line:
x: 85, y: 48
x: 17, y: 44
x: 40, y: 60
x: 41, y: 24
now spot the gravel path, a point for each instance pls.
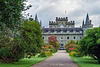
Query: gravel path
x: 60, y: 59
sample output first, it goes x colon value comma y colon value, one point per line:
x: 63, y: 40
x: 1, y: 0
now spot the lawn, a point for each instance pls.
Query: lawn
x: 86, y: 62
x: 24, y: 62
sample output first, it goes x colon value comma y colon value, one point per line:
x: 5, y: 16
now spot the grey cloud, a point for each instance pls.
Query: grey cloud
x: 76, y: 10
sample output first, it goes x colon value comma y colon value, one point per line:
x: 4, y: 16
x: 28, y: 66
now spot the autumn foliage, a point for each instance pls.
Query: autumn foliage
x: 52, y: 40
x: 70, y: 46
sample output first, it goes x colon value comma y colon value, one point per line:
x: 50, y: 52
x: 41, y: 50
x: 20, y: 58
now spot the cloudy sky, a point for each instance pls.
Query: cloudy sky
x: 76, y: 10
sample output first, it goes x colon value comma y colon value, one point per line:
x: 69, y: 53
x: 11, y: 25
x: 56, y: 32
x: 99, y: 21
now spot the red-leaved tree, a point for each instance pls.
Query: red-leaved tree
x: 52, y: 40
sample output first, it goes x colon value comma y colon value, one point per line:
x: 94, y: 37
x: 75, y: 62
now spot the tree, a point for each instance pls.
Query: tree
x: 52, y: 40
x: 90, y: 44
x: 32, y: 37
x: 11, y: 48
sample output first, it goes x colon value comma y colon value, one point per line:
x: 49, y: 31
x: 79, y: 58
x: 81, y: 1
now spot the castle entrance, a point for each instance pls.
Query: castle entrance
x: 61, y: 46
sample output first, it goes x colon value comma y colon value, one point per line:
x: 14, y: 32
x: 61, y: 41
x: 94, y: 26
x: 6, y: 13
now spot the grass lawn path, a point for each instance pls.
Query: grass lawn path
x: 24, y: 62
x: 86, y: 62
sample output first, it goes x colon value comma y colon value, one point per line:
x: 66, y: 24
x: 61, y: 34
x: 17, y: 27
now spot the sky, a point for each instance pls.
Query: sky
x: 75, y: 10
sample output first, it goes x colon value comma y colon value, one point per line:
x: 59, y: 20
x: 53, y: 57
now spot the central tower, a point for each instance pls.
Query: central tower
x: 61, y: 23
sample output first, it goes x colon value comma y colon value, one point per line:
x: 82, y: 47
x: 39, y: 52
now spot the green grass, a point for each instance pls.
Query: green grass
x: 24, y: 62
x: 86, y: 62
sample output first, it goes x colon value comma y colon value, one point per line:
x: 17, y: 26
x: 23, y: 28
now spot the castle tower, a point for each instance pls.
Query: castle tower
x: 36, y: 18
x: 87, y: 20
x: 87, y: 24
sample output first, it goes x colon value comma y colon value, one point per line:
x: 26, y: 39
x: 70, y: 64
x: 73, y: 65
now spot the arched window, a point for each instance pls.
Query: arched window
x: 74, y: 37
x: 67, y: 37
x: 43, y: 37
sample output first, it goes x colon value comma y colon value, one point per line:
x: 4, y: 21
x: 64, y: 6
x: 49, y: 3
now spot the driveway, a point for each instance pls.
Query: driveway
x: 59, y: 59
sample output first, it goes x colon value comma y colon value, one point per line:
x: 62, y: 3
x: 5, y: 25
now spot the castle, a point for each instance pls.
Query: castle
x: 65, y: 30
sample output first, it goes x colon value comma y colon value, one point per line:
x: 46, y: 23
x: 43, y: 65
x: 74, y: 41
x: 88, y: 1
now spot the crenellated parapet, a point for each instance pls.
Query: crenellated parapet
x: 52, y: 23
x: 61, y: 19
x: 61, y: 22
x: 70, y: 23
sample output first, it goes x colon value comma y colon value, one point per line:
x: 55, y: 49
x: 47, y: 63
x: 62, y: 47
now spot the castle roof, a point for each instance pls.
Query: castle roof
x: 62, y: 29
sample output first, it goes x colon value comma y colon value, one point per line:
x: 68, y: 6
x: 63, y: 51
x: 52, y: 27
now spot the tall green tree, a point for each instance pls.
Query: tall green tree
x: 11, y: 48
x: 32, y: 37
x: 90, y: 44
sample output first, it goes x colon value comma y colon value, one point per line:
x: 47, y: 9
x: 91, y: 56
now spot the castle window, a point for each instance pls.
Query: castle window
x: 74, y: 37
x: 80, y: 37
x: 61, y: 37
x: 43, y: 37
x: 67, y: 37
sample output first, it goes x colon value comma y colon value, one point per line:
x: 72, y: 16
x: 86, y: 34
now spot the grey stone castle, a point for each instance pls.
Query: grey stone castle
x: 65, y: 30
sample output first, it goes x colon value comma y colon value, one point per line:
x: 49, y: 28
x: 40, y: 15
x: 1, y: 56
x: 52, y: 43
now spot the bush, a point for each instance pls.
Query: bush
x: 53, y: 50
x: 11, y: 49
x: 70, y: 46
x: 73, y: 54
x: 49, y: 53
x: 43, y: 54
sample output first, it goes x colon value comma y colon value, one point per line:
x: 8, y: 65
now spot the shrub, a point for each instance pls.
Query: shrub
x: 53, y: 50
x: 11, y: 49
x: 43, y: 54
x: 70, y: 46
x: 73, y: 53
x: 49, y: 53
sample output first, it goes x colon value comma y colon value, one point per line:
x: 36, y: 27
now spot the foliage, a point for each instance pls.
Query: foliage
x: 47, y: 47
x: 90, y: 44
x: 49, y: 53
x: 43, y: 54
x: 11, y: 49
x: 52, y: 40
x: 73, y: 54
x: 70, y: 46
x: 10, y: 14
x: 32, y: 37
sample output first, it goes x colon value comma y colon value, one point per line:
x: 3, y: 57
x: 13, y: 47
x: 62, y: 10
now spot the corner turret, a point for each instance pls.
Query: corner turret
x: 36, y: 18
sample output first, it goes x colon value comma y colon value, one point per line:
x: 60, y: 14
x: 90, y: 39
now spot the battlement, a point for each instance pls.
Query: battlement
x: 61, y: 19
x: 70, y: 23
x: 52, y: 23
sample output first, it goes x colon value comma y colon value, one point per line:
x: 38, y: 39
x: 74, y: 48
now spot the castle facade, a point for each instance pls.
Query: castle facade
x: 65, y: 30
